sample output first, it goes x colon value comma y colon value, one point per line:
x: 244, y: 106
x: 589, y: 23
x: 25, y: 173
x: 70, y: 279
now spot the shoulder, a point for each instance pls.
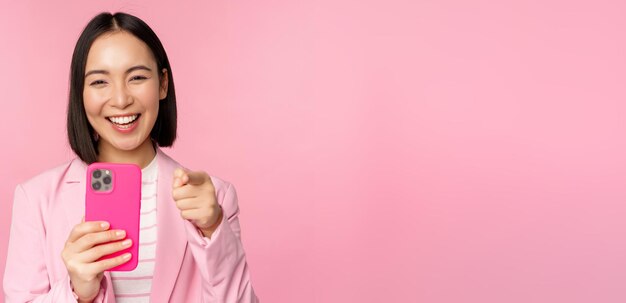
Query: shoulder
x: 52, y: 178
x: 221, y: 185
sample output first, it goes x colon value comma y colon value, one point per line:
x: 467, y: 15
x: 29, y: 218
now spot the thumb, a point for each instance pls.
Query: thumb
x: 178, y: 180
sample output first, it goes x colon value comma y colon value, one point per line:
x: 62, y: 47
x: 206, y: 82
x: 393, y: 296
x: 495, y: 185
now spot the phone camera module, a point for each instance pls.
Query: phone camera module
x: 102, y: 180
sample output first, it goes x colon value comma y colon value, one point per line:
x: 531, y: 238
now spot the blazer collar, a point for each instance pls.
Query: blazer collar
x: 171, y: 235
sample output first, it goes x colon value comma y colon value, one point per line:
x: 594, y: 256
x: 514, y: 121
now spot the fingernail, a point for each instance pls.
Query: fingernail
x: 126, y: 256
x: 126, y: 242
x: 104, y: 225
x: 120, y: 233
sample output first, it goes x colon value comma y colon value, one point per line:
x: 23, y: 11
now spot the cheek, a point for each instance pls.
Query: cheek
x: 149, y: 96
x: 93, y: 102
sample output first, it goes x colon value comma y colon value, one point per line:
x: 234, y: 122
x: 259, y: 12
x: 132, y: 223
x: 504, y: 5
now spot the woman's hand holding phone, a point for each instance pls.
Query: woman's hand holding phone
x: 88, y: 242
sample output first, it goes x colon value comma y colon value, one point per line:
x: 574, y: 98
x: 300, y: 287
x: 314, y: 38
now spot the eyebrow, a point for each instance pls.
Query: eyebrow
x: 128, y: 71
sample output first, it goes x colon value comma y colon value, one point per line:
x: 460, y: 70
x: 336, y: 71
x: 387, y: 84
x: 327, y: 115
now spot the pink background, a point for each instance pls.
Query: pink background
x: 383, y: 151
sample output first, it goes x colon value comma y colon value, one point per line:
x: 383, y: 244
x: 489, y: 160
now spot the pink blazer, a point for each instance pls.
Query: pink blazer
x: 188, y: 267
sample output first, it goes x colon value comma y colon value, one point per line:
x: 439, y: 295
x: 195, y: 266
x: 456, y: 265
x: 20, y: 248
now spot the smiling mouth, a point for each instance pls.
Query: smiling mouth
x: 124, y: 122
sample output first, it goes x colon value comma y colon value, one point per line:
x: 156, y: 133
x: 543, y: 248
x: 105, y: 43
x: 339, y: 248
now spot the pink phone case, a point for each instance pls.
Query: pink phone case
x: 120, y: 206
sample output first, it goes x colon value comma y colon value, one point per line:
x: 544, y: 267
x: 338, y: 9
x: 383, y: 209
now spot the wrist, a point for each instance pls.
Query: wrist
x: 207, y: 232
x: 78, y: 298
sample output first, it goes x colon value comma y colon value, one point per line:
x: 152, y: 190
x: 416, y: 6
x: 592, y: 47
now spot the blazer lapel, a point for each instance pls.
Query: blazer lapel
x: 171, y: 237
x: 73, y: 192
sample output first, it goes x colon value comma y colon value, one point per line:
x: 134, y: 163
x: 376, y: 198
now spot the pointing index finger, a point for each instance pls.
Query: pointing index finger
x: 195, y: 177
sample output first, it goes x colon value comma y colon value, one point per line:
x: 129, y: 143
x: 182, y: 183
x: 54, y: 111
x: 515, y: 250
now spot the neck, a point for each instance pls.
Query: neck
x: 141, y: 156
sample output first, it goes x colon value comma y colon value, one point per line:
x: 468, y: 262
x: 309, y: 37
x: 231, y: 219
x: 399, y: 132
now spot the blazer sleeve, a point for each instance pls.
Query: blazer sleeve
x: 221, y: 259
x: 26, y: 278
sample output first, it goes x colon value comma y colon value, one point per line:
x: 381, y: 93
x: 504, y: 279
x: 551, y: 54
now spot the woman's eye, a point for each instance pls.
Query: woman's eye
x: 97, y: 82
x: 138, y: 78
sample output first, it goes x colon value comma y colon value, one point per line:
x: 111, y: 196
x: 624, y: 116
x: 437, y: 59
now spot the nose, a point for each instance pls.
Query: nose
x: 121, y: 97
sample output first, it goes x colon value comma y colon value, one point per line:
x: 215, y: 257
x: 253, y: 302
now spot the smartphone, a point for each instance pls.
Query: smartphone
x: 114, y: 195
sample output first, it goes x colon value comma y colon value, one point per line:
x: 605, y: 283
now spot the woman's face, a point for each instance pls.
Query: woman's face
x: 122, y: 90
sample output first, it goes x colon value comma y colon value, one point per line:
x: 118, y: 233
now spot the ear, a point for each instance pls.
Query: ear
x: 163, y: 87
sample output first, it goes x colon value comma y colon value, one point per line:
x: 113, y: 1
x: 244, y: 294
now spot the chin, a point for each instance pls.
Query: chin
x: 130, y: 146
x: 127, y: 145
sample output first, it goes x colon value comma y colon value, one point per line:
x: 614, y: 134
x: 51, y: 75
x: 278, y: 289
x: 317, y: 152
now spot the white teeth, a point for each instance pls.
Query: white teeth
x: 123, y: 120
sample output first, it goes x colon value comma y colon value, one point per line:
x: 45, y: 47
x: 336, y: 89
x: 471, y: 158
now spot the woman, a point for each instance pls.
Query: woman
x: 122, y: 107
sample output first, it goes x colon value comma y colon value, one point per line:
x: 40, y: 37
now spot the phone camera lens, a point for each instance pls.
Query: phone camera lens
x: 106, y: 180
x: 96, y: 185
x: 97, y: 173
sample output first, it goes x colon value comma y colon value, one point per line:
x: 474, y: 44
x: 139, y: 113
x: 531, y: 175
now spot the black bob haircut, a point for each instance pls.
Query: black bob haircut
x: 79, y: 131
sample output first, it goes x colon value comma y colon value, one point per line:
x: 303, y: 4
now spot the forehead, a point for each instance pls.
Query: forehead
x: 117, y: 51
